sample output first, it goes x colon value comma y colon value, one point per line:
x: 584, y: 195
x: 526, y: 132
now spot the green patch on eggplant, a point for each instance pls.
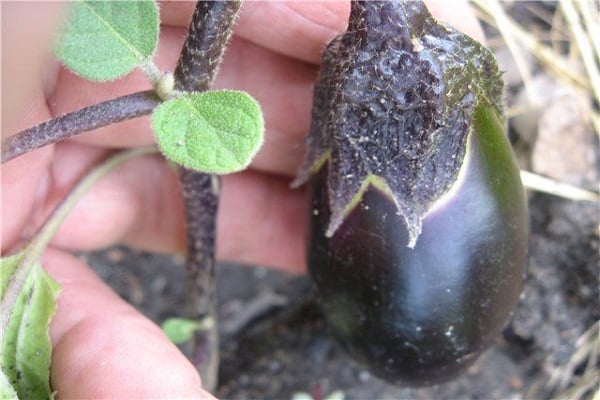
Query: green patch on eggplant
x: 395, y: 100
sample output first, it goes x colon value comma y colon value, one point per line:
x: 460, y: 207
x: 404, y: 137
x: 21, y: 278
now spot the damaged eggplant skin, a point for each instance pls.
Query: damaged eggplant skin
x: 421, y: 316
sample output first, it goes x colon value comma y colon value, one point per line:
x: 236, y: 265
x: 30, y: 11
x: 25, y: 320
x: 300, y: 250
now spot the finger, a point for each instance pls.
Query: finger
x: 260, y: 221
x: 23, y: 105
x: 319, y: 22
x: 138, y: 196
x: 103, y: 348
x: 25, y: 57
x: 315, y: 22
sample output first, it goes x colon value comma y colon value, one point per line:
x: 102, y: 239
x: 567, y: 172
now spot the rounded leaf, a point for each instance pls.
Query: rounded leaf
x: 180, y: 330
x: 217, y: 132
x: 104, y: 40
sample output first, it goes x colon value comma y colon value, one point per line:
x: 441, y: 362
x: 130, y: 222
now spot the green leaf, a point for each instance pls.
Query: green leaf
x: 26, y: 348
x: 336, y: 395
x: 302, y: 396
x: 104, y: 40
x: 180, y: 330
x: 217, y: 132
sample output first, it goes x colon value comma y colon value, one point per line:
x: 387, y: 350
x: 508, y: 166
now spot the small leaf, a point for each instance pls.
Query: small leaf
x: 302, y: 396
x: 26, y: 348
x: 335, y: 395
x: 217, y: 132
x: 104, y: 40
x: 180, y: 330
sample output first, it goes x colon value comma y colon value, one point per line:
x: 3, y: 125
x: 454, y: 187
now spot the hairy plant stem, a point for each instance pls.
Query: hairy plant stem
x: 88, y: 118
x: 33, y: 252
x: 208, y: 34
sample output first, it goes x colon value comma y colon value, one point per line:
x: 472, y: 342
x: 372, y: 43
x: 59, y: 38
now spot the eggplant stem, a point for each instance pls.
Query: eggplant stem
x: 208, y: 35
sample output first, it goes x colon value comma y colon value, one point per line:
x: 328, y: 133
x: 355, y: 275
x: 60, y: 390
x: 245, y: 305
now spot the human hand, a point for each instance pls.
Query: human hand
x: 102, y: 347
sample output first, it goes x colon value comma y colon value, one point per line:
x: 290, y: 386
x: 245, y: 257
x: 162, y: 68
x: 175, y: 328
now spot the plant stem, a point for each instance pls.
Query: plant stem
x: 208, y: 34
x: 201, y: 197
x: 37, y: 245
x: 88, y: 118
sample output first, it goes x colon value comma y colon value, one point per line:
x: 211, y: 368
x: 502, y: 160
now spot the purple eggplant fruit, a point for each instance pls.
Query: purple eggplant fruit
x: 419, y: 225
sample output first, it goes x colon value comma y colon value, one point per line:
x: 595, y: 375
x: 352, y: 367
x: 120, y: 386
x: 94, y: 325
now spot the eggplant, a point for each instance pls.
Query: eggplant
x: 418, y: 220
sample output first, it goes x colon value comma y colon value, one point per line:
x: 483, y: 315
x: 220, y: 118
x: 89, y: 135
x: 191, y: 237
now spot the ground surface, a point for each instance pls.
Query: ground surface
x: 275, y: 343
x: 287, y: 348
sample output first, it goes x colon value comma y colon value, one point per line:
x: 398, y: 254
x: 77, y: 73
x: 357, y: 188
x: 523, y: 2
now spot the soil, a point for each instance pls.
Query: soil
x: 274, y: 342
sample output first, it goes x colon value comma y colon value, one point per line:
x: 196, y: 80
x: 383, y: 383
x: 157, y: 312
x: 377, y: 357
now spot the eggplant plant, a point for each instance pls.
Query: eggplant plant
x: 418, y: 223
x: 205, y: 133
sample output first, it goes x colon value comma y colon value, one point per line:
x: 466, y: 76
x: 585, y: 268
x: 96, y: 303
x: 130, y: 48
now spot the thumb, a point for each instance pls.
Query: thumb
x: 104, y: 348
x: 28, y: 29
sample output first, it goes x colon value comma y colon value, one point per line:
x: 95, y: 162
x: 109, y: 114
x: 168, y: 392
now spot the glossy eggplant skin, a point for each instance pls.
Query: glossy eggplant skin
x: 422, y: 315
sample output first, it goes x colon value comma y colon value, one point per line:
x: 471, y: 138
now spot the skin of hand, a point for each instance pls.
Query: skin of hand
x: 100, y: 342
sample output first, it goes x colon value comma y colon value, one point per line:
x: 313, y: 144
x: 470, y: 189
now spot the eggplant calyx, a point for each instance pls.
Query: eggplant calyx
x: 393, y: 108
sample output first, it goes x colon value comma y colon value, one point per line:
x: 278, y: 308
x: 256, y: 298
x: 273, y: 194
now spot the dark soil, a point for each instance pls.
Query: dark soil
x: 275, y: 342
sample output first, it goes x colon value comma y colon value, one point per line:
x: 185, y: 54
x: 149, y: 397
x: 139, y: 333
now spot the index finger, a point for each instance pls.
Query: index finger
x: 299, y: 30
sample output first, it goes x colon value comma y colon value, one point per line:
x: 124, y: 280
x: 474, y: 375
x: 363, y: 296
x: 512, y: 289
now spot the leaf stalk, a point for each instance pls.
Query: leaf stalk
x: 86, y: 119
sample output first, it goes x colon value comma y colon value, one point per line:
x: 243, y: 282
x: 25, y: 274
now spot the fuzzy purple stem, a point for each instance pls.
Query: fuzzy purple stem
x: 88, y: 118
x: 208, y: 34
